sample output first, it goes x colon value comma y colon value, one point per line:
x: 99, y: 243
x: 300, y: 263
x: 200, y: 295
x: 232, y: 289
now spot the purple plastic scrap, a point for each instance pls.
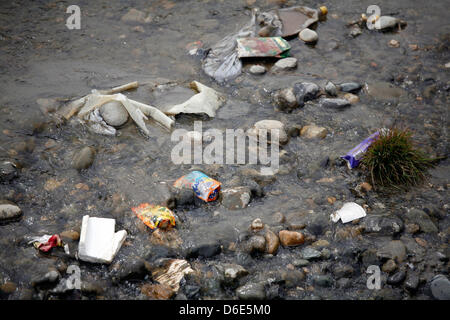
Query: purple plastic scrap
x: 353, y: 157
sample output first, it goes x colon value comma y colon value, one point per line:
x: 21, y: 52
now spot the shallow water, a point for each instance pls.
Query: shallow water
x: 41, y: 58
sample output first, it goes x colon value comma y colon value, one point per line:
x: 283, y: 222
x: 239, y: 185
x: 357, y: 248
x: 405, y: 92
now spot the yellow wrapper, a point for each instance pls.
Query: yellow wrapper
x: 155, y: 216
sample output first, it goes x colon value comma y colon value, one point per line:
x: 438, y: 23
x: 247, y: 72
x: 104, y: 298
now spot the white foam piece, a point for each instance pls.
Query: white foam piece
x: 350, y: 211
x: 98, y: 241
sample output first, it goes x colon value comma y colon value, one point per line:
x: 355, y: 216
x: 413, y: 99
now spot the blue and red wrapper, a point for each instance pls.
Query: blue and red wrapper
x: 204, y: 187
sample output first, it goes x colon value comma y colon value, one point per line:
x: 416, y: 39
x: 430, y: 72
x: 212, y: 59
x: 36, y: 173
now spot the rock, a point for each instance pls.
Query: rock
x: 412, y: 282
x: 322, y: 280
x: 136, y: 16
x: 440, y: 287
x: 352, y: 98
x: 331, y: 89
x: 351, y: 87
x: 292, y: 278
x: 8, y: 171
x: 291, y: 238
x: 305, y: 91
x: 313, y: 132
x: 206, y: 250
x: 396, y: 278
x: 236, y: 198
x: 334, y: 103
x: 420, y: 218
x: 257, y: 225
x: 412, y: 228
x: 9, y: 211
x: 251, y: 291
x: 285, y: 64
x: 256, y: 244
x: 393, y: 250
x: 84, y: 158
x: 157, y: 291
x: 183, y: 196
x: 285, y: 99
x: 70, y: 234
x: 309, y: 253
x: 393, y: 43
x: 114, y: 113
x: 50, y: 277
x: 382, y: 224
x: 389, y: 267
x: 356, y: 31
x: 384, y: 91
x: 233, y: 272
x: 300, y: 263
x: 342, y: 270
x: 272, y: 242
x: 269, y: 125
x: 320, y: 243
x: 308, y: 35
x: 257, y: 69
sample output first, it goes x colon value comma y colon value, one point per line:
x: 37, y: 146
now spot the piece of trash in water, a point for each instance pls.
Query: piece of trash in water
x: 353, y: 157
x: 154, y: 216
x: 85, y: 109
x: 204, y: 187
x: 172, y: 273
x: 207, y: 101
x: 295, y: 19
x: 99, y: 243
x: 350, y: 211
x: 263, y: 47
x: 46, y: 242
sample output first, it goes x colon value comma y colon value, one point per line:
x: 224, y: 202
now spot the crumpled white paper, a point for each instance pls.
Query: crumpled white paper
x: 350, y: 211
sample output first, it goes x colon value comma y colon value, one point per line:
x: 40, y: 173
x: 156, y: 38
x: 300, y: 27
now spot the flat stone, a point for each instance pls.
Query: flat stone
x: 313, y: 132
x: 114, y: 113
x: 251, y: 291
x: 351, y: 87
x: 9, y: 211
x: 334, y: 103
x: 309, y: 253
x: 308, y: 35
x: 285, y: 64
x: 257, y: 69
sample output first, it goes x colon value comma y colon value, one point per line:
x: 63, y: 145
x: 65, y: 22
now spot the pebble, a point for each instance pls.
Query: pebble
x: 356, y: 31
x: 389, y: 267
x: 233, y: 272
x: 334, y: 103
x: 291, y: 238
x: 300, y: 263
x: 8, y: 171
x: 331, y: 89
x: 272, y: 242
x: 412, y: 281
x: 114, y: 113
x: 308, y: 35
x: 396, y: 278
x: 352, y: 98
x: 285, y: 64
x: 313, y: 132
x: 285, y: 99
x: 236, y: 198
x: 351, y: 87
x: 440, y: 287
x: 257, y: 69
x: 268, y: 125
x: 382, y: 224
x: 9, y: 211
x: 343, y: 271
x: 84, y: 158
x: 257, y: 224
x: 394, y: 43
x: 309, y: 253
x: 305, y: 91
x: 70, y: 234
x: 251, y: 291
x: 256, y: 244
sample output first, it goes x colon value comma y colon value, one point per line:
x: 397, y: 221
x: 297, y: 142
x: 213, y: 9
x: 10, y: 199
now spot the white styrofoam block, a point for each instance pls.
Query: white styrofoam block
x: 350, y: 211
x: 98, y: 241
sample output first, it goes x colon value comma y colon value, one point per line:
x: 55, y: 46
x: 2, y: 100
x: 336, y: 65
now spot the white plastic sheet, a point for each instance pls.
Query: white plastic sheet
x: 350, y: 211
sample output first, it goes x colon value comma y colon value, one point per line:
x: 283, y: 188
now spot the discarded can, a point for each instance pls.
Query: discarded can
x: 46, y: 242
x: 204, y: 187
x: 263, y: 47
x: 155, y: 216
x: 353, y: 157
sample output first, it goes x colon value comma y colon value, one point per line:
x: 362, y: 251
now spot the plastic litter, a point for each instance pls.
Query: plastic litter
x: 350, y: 211
x: 99, y: 243
x: 154, y: 216
x: 46, y: 242
x: 207, y: 101
x: 204, y: 187
x: 263, y: 47
x: 353, y: 157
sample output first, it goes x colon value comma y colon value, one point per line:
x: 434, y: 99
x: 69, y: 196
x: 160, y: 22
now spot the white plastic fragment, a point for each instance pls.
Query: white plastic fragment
x: 98, y: 241
x: 350, y: 211
x: 206, y: 101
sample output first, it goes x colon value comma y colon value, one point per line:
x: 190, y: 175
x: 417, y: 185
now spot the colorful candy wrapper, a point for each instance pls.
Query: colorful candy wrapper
x: 353, y: 157
x: 155, y: 216
x: 263, y: 47
x: 204, y: 187
x: 46, y: 242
